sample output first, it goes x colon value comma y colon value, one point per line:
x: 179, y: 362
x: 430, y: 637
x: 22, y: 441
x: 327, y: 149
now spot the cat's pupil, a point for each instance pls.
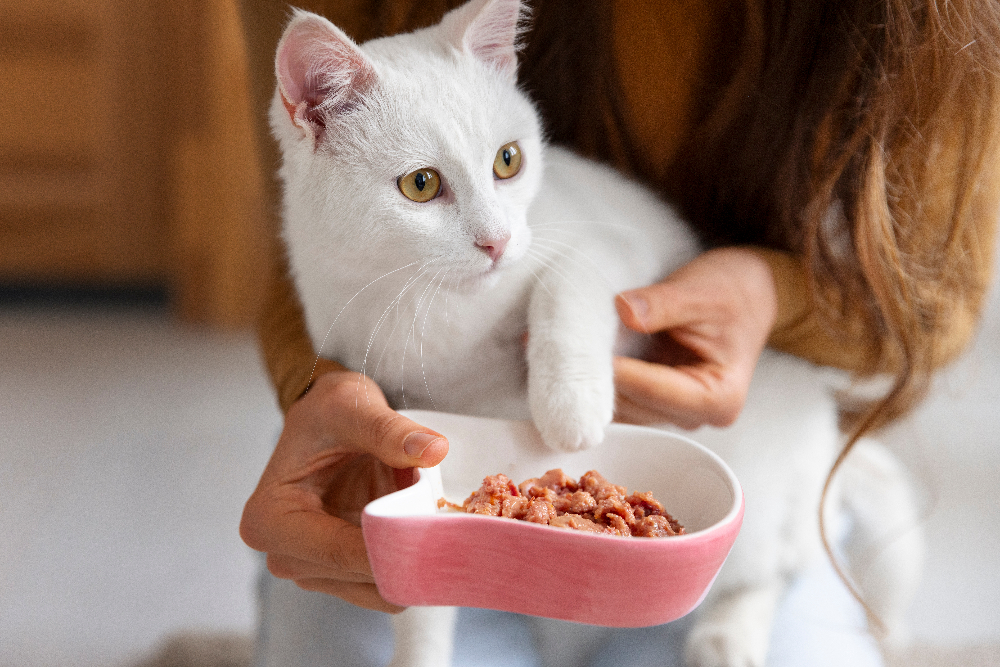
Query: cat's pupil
x: 419, y: 181
x: 506, y: 157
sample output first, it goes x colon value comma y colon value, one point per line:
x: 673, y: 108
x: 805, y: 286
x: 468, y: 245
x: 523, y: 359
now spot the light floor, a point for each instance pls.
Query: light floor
x: 127, y: 447
x: 128, y: 444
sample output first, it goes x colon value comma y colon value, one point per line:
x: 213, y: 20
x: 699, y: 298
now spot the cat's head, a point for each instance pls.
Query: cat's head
x: 418, y: 146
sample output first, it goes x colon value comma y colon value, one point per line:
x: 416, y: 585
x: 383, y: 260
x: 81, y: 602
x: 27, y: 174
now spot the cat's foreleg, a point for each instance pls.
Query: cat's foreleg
x: 735, y: 630
x: 566, y: 644
x: 424, y: 637
x: 572, y: 327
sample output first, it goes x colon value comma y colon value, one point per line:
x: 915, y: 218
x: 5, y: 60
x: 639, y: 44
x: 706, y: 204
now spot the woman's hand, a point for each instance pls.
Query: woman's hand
x: 341, y: 447
x: 709, y: 321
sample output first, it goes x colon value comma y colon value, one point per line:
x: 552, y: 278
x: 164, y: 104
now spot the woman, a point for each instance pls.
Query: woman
x: 837, y: 156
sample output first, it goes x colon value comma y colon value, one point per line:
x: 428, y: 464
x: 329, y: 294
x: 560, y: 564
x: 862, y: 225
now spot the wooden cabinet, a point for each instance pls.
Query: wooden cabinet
x: 126, y: 152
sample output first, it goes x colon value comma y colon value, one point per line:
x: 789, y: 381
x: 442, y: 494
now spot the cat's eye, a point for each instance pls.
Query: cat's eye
x: 508, y: 161
x: 420, y: 185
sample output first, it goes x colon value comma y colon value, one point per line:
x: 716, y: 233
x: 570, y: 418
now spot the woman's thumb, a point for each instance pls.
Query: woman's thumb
x: 360, y: 419
x: 397, y: 440
x: 650, y: 309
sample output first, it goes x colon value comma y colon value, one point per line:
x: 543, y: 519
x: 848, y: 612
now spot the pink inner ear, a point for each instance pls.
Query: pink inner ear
x: 492, y: 34
x: 320, y: 70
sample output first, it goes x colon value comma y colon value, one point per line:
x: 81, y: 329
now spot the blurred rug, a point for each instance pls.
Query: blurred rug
x: 202, y: 649
x: 983, y: 655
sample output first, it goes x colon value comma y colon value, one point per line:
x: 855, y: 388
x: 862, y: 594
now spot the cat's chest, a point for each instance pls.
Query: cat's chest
x: 437, y: 347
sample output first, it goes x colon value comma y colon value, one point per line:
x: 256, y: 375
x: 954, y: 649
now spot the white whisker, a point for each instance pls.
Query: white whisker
x: 556, y: 270
x: 423, y: 327
x: 534, y: 255
x: 395, y: 303
x: 411, y: 335
x: 319, y: 350
x: 597, y: 267
x: 421, y: 270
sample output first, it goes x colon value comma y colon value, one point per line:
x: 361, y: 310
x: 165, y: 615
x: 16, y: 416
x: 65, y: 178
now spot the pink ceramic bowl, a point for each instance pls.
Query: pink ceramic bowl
x: 421, y: 555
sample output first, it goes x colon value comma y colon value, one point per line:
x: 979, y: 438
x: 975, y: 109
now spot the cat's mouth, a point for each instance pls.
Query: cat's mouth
x: 495, y: 266
x: 474, y: 280
x: 479, y: 274
x: 502, y: 263
x: 492, y: 273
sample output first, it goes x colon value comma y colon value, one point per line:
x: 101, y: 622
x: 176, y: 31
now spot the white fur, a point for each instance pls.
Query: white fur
x: 402, y: 291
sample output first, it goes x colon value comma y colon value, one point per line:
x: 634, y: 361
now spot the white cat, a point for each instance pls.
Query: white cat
x: 429, y: 228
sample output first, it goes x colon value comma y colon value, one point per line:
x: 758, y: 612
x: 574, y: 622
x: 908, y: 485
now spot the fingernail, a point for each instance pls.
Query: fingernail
x: 416, y: 444
x: 638, y: 304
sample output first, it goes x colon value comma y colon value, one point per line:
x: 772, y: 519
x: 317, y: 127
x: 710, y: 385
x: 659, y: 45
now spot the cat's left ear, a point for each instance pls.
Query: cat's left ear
x: 321, y: 72
x: 488, y: 30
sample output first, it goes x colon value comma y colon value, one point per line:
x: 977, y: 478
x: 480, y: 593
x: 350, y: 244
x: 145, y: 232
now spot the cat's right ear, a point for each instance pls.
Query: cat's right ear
x: 320, y: 72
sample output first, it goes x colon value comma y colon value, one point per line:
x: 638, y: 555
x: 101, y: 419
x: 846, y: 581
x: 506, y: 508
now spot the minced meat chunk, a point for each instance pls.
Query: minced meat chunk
x: 591, y: 504
x: 540, y: 511
x: 489, y: 498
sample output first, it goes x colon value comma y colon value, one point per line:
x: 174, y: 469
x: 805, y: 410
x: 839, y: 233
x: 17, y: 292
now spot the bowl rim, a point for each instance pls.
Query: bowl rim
x: 734, y: 512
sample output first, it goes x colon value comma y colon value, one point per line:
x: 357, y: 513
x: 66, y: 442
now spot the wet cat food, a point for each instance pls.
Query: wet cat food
x: 591, y: 504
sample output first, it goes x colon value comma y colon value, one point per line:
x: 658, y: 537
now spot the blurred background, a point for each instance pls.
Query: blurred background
x: 125, y: 156
x: 135, y: 415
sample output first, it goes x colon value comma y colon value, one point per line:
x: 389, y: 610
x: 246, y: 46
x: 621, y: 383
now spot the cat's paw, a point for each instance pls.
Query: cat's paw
x: 571, y: 414
x: 714, y: 645
x: 734, y: 632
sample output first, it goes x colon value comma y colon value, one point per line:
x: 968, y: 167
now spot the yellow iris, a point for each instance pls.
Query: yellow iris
x: 508, y: 161
x: 420, y: 185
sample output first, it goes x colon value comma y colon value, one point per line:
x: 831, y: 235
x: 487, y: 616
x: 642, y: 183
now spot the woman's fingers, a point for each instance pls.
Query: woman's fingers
x: 360, y: 595
x: 687, y: 396
x: 707, y: 324
x: 278, y: 522
x: 296, y: 569
x: 719, y: 288
x: 342, y: 446
x: 317, y: 551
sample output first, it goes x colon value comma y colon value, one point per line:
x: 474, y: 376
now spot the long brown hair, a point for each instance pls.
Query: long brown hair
x: 861, y: 135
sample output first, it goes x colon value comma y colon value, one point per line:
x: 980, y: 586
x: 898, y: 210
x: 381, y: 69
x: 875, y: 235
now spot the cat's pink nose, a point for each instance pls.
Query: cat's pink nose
x: 494, y: 247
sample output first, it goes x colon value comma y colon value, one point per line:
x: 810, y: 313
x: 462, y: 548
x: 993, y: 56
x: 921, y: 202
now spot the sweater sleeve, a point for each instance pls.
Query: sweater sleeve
x: 801, y: 330
x: 291, y: 362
